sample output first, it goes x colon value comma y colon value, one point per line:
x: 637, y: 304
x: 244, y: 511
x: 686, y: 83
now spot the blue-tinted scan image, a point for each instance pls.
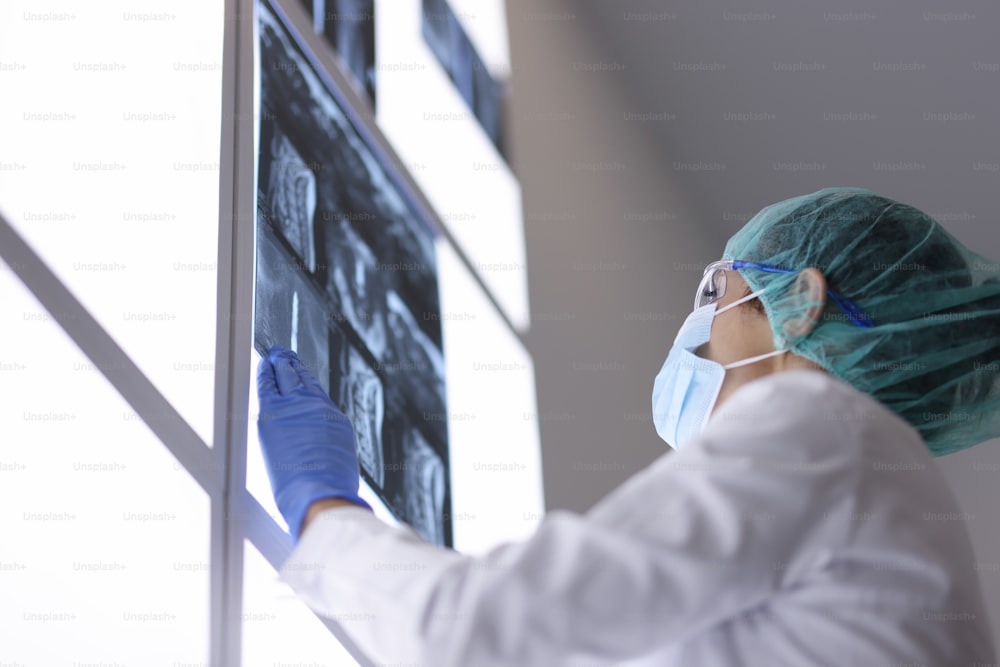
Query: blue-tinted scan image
x: 346, y: 277
x: 453, y: 49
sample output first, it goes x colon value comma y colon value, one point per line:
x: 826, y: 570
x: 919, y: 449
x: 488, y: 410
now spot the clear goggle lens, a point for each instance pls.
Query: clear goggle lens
x: 712, y: 287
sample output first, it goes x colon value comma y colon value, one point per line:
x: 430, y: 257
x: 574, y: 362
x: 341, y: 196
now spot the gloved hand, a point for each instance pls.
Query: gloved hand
x: 307, y: 442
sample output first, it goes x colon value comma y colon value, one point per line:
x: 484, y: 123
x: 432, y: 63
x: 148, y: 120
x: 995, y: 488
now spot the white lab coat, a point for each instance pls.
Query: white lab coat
x: 807, y: 525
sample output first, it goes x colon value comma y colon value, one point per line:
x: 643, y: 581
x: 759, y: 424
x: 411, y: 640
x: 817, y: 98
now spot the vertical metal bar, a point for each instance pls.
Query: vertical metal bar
x: 233, y: 327
x: 319, y: 15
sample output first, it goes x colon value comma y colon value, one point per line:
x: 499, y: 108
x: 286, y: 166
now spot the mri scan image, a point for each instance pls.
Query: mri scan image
x: 346, y: 276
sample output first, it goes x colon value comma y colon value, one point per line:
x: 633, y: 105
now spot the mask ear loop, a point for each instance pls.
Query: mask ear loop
x: 748, y: 297
x: 753, y: 360
x: 759, y: 357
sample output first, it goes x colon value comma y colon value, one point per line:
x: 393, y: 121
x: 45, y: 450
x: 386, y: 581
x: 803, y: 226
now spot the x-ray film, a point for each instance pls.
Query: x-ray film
x: 346, y: 277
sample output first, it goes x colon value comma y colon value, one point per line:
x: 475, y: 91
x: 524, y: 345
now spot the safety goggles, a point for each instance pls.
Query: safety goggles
x: 713, y: 287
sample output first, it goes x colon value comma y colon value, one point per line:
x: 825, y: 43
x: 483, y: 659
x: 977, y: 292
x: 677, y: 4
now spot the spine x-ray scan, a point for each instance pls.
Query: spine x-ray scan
x: 346, y: 277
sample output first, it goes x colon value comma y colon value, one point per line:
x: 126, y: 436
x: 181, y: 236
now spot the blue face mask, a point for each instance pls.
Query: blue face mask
x: 687, y: 386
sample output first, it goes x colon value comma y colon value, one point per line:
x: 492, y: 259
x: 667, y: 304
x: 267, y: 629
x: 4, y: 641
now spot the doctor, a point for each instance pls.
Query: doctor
x: 844, y: 341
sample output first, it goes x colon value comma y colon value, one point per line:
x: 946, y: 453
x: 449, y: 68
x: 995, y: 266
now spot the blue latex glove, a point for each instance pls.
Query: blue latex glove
x: 308, y: 443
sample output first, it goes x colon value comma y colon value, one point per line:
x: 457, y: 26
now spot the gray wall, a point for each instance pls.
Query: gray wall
x: 610, y: 238
x: 747, y: 108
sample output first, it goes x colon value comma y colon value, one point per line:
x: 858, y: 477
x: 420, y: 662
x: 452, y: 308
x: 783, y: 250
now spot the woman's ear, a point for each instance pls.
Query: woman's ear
x: 808, y: 293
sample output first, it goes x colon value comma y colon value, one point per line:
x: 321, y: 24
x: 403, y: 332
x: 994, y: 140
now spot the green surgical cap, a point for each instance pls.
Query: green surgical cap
x: 933, y: 354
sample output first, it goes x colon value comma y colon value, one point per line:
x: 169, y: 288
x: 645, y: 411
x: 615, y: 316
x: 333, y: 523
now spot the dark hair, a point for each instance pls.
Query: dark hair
x: 756, y: 304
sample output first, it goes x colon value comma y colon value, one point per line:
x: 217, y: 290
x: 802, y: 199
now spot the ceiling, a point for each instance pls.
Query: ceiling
x: 755, y: 105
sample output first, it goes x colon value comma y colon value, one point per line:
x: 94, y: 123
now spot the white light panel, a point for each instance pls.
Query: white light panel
x: 449, y: 155
x: 496, y: 469
x: 278, y: 628
x: 109, y: 152
x: 104, y: 555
